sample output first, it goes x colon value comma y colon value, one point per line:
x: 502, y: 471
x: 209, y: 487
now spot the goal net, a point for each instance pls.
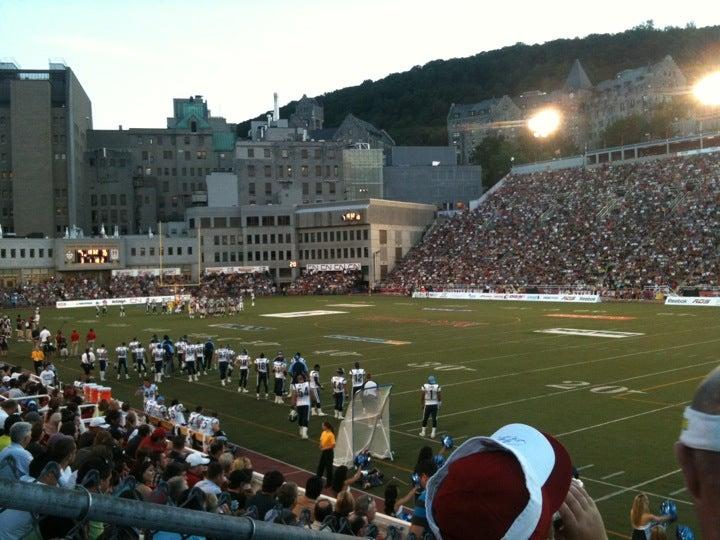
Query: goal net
x: 366, y: 426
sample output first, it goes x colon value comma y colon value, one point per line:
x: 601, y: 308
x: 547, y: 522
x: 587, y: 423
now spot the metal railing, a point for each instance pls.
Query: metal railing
x: 83, y: 506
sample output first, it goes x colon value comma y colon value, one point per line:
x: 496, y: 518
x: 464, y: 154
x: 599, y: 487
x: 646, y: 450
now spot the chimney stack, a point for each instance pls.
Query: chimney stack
x: 276, y: 110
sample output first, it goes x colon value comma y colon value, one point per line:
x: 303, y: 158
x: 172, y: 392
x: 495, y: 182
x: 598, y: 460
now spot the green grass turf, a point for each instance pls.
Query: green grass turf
x: 494, y: 369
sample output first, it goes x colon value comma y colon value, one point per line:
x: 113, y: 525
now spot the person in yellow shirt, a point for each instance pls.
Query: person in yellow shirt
x: 38, y: 357
x: 327, y: 452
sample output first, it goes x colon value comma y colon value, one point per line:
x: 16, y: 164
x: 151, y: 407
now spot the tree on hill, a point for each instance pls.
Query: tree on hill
x: 413, y: 106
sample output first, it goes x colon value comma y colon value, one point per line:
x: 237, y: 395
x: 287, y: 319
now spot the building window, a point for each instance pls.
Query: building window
x: 318, y: 188
x: 365, y: 252
x: 268, y: 171
x: 289, y: 171
x: 251, y: 152
x: 216, y: 240
x: 318, y: 153
x: 251, y: 170
x: 335, y: 170
x: 268, y: 221
x: 305, y: 188
x: 217, y: 257
x: 281, y: 171
x: 284, y: 153
x: 252, y: 221
x: 283, y: 221
x: 365, y: 234
x: 318, y: 170
x: 383, y: 237
x: 268, y: 188
x: 304, y: 170
x: 251, y: 188
x: 266, y: 152
x: 332, y: 188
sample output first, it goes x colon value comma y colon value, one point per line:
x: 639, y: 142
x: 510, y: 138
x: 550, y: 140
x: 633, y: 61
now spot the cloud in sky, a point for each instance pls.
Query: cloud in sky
x: 134, y: 56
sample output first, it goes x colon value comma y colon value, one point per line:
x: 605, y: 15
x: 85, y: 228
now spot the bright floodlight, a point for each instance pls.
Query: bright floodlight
x: 544, y: 122
x: 707, y: 90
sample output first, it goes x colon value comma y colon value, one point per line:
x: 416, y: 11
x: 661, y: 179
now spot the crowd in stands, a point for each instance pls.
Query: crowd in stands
x: 84, y: 287
x: 612, y: 229
x: 340, y: 282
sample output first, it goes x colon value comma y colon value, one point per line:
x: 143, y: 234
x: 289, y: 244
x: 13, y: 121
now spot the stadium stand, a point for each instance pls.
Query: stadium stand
x: 617, y: 230
x: 345, y: 282
x: 153, y: 461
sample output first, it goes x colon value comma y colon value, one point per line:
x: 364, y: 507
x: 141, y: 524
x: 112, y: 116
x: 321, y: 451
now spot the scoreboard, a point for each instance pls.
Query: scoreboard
x: 93, y: 255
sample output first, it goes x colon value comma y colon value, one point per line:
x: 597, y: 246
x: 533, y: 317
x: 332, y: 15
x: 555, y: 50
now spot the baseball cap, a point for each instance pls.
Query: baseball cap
x: 99, y: 422
x: 196, y: 459
x: 508, y: 485
x: 6, y: 379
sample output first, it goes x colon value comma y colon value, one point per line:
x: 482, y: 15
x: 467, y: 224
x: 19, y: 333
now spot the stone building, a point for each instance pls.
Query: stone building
x: 45, y: 116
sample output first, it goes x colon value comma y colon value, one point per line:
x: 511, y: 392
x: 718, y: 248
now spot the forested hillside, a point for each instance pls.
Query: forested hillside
x: 412, y: 106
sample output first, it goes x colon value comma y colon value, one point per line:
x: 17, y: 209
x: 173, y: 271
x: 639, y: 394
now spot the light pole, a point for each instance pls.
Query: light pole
x: 707, y: 93
x: 374, y: 272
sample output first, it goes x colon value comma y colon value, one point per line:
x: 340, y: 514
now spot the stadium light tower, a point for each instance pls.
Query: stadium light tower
x: 707, y: 90
x: 544, y: 122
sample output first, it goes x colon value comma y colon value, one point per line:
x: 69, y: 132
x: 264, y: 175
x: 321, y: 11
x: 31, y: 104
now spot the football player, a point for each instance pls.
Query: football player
x: 301, y: 402
x: 338, y: 387
x: 190, y: 355
x: 122, y: 352
x: 102, y: 357
x: 279, y: 371
x: 243, y: 363
x: 159, y: 357
x: 315, y: 388
x: 431, y: 398
x: 261, y: 367
x: 176, y: 413
x: 357, y: 376
x: 224, y: 355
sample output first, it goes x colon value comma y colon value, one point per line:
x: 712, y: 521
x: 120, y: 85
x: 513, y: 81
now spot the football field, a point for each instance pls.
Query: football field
x: 609, y: 380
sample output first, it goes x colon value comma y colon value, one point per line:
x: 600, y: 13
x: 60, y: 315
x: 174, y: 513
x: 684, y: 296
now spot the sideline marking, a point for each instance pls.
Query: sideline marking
x: 677, y: 491
x: 634, y: 487
x: 596, y: 317
x: 350, y: 305
x: 588, y: 333
x: 296, y: 314
x: 368, y: 339
x: 611, y: 475
x: 585, y: 467
x: 610, y: 484
x: 621, y: 419
x: 241, y: 327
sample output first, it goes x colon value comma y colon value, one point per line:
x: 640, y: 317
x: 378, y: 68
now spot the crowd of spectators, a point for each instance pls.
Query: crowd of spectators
x: 613, y: 229
x: 85, y: 287
x: 340, y: 282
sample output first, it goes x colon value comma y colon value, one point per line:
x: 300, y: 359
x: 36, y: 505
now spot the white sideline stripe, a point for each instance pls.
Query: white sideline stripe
x: 634, y: 487
x: 585, y: 467
x: 611, y: 475
x: 621, y: 419
x: 677, y: 491
x: 550, y: 394
x: 551, y: 368
x: 658, y: 495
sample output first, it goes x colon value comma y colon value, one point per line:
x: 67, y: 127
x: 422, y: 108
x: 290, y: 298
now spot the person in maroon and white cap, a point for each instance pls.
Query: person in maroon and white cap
x: 515, y: 484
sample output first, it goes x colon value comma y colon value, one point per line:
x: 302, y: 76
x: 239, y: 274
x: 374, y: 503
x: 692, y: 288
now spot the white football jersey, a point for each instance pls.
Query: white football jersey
x: 358, y: 376
x: 176, y: 416
x: 431, y: 393
x: 206, y: 423
x: 314, y: 379
x: 121, y: 352
x: 243, y: 361
x: 189, y: 353
x: 139, y: 353
x: 279, y: 369
x: 102, y: 354
x: 180, y: 347
x: 133, y: 345
x: 47, y: 376
x: 261, y: 364
x: 159, y: 353
x: 338, y: 384
x: 302, y: 391
x: 150, y: 392
x: 193, y: 420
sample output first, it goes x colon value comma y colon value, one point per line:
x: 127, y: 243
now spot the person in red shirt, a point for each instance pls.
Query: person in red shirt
x: 90, y: 338
x: 74, y: 342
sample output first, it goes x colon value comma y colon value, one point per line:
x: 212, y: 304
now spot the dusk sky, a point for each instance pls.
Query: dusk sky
x: 132, y: 57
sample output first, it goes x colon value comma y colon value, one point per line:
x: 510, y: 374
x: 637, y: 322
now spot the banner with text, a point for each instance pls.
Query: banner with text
x: 137, y: 300
x: 450, y: 295
x: 332, y: 267
x: 236, y: 270
x: 136, y: 272
x: 706, y: 301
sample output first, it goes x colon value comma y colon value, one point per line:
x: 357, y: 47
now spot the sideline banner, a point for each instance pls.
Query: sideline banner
x: 332, y: 267
x: 236, y: 270
x: 136, y: 272
x: 138, y: 300
x: 707, y: 301
x: 570, y: 298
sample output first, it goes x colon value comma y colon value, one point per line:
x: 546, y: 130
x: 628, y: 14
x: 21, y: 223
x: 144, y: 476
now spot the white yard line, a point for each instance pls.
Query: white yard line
x: 561, y: 392
x: 601, y: 424
x: 658, y: 495
x: 612, y: 475
x: 678, y: 491
x: 549, y: 368
x: 634, y: 487
x: 585, y: 467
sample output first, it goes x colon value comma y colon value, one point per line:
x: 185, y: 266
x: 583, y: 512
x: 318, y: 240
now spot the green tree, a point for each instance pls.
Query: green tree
x: 495, y: 155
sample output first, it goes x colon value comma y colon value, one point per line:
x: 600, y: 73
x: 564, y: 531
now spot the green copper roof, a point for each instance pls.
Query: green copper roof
x: 193, y: 111
x: 223, y: 141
